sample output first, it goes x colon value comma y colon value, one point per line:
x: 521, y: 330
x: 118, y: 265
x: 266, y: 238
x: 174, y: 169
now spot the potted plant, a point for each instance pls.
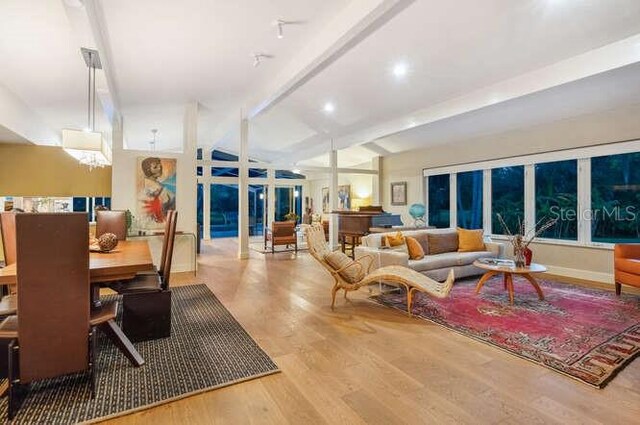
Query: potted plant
x: 291, y: 216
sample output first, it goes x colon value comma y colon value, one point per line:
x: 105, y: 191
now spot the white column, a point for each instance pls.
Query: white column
x: 243, y: 191
x: 376, y: 181
x: 333, y: 199
x: 187, y: 197
x: 206, y: 207
x: 271, y: 197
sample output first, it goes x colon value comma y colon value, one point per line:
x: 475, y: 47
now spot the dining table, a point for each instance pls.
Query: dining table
x: 122, y: 263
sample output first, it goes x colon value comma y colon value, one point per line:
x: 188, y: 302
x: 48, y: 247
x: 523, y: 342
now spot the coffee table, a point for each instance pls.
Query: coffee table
x: 508, y: 273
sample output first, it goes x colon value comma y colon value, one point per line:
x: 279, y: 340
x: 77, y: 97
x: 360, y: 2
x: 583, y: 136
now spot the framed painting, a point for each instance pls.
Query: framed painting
x: 325, y: 200
x: 344, y: 197
x: 399, y: 193
x: 156, y: 189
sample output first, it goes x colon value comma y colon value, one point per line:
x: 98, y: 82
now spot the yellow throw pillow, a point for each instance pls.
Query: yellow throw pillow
x: 470, y: 240
x: 415, y: 249
x: 391, y: 240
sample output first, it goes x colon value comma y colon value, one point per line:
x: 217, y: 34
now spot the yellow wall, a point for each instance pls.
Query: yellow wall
x: 27, y: 170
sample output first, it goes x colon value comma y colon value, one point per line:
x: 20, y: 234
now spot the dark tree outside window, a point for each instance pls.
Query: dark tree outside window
x: 557, y: 197
x: 469, y: 199
x: 615, y: 198
x: 507, y: 198
x: 439, y: 214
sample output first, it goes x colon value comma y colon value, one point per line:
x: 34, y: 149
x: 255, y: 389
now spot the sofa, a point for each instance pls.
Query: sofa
x: 435, y: 266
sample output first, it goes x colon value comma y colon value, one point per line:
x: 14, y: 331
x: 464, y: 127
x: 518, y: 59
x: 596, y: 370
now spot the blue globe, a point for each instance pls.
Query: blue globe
x: 417, y: 211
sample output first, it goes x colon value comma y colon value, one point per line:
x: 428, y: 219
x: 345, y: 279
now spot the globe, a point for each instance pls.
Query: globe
x: 418, y: 212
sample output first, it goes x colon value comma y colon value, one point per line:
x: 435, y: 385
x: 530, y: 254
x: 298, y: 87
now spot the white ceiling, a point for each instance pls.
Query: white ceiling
x: 163, y: 55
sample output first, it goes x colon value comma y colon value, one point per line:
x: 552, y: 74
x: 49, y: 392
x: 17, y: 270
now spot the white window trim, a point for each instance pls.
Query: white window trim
x: 581, y: 155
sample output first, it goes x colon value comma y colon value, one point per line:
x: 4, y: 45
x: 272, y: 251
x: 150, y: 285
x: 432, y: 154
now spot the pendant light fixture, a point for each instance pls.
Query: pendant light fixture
x: 88, y: 146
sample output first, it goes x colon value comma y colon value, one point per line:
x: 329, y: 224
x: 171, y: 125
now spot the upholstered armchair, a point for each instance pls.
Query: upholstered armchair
x: 281, y: 233
x: 627, y: 265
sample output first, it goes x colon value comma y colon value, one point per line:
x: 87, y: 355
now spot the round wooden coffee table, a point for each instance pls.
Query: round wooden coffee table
x: 508, y: 273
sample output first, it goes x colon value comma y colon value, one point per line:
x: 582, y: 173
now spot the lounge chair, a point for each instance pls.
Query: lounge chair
x: 351, y: 275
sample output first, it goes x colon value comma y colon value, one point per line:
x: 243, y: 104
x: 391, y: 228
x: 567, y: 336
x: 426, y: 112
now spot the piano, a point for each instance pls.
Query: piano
x: 352, y: 225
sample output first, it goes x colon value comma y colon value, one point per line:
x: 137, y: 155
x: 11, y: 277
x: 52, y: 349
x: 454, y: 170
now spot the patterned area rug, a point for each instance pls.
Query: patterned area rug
x: 207, y: 349
x: 587, y: 334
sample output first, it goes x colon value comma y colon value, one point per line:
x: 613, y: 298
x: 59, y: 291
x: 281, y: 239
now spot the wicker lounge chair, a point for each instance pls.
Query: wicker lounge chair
x: 411, y: 280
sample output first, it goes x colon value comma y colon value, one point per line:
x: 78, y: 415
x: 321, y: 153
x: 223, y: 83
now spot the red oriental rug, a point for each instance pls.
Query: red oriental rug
x: 586, y: 334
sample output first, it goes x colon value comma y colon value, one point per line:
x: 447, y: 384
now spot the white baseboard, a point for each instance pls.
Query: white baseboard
x: 581, y: 274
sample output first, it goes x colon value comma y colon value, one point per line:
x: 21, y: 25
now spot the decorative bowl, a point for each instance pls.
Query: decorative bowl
x: 107, y: 242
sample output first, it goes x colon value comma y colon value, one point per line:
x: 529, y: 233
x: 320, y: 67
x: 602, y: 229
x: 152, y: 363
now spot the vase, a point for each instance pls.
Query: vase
x: 528, y: 256
x: 519, y: 257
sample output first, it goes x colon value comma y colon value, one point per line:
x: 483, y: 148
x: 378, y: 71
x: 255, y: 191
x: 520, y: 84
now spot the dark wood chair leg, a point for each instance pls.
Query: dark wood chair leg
x: 14, y: 380
x: 92, y: 361
x: 618, y: 288
x: 115, y: 334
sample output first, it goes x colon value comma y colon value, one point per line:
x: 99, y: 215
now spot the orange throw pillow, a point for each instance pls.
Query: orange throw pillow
x: 415, y: 249
x: 391, y: 240
x: 470, y: 240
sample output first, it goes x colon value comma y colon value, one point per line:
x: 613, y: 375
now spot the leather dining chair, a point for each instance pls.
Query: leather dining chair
x: 111, y: 222
x: 146, y: 299
x: 8, y: 303
x: 54, y: 332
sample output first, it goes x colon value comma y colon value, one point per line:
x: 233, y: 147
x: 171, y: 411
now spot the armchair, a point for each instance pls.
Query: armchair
x: 626, y: 265
x: 281, y: 233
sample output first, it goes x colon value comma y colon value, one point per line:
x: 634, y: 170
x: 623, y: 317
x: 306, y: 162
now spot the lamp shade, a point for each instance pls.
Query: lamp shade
x: 88, y: 147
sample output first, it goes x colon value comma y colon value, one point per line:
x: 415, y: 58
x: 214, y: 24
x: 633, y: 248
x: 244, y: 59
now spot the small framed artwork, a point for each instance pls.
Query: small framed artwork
x: 399, y: 193
x: 325, y: 200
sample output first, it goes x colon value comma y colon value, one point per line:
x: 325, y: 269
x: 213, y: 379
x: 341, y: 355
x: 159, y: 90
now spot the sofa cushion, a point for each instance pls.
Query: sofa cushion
x: 443, y: 242
x: 447, y: 259
x: 394, y: 240
x: 423, y: 240
x: 414, y: 248
x: 628, y: 265
x: 338, y: 260
x: 470, y: 240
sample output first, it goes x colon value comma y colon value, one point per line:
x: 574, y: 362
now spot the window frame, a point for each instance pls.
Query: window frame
x: 583, y: 156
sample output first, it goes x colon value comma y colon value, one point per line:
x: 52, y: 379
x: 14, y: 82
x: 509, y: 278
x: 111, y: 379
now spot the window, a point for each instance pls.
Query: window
x: 439, y: 200
x: 469, y: 199
x: 286, y: 174
x: 224, y: 210
x: 258, y: 172
x: 224, y: 172
x: 615, y: 197
x: 507, y: 198
x: 199, y: 153
x: 557, y: 197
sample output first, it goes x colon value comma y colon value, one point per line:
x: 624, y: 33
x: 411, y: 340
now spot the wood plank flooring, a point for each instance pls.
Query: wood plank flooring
x: 364, y: 363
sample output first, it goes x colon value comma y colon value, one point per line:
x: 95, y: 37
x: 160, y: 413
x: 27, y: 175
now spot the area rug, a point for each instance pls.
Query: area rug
x: 208, y: 349
x: 586, y: 334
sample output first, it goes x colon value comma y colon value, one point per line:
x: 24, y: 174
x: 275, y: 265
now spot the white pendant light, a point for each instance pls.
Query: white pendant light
x: 88, y: 146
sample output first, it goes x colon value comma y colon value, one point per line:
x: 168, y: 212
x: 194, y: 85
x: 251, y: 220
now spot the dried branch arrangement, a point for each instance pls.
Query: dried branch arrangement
x: 523, y: 238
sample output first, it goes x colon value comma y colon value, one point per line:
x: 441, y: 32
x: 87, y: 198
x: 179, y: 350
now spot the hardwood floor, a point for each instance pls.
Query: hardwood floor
x: 364, y: 363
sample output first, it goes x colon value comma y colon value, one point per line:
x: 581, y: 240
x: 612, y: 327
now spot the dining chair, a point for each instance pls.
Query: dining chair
x: 146, y: 303
x: 9, y: 302
x: 111, y: 222
x: 53, y: 333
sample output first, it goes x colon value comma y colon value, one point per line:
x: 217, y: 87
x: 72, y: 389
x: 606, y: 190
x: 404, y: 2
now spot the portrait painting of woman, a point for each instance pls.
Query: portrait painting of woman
x: 156, y: 188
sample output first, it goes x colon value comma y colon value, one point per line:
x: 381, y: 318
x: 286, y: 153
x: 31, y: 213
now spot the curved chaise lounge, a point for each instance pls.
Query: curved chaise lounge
x: 357, y: 273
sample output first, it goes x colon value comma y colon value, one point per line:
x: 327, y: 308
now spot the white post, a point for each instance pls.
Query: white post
x: 271, y: 197
x: 333, y: 199
x: 376, y: 181
x: 243, y: 191
x: 187, y: 195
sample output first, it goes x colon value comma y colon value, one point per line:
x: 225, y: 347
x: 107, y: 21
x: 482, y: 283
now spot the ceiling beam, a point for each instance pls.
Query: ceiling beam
x: 20, y: 119
x: 616, y: 55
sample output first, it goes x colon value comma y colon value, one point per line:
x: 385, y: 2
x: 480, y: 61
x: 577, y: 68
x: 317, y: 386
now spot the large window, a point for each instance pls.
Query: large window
x: 507, y: 198
x: 557, y: 197
x: 439, y: 215
x: 224, y: 210
x: 615, y: 198
x: 469, y: 199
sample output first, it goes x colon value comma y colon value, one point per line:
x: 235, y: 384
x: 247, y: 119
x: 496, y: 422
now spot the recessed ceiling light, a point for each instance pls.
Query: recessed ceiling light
x: 400, y: 69
x: 329, y: 107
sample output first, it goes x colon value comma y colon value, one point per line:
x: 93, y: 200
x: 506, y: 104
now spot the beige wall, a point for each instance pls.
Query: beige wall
x: 593, y: 129
x: 361, y: 187
x: 48, y: 171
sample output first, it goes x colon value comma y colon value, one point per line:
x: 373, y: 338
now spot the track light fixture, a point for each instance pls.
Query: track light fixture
x: 279, y: 23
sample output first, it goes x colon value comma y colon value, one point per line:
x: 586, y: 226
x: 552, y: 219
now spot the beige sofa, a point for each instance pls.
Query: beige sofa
x: 434, y: 266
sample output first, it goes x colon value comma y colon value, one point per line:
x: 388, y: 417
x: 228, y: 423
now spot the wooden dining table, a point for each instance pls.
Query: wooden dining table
x: 127, y: 259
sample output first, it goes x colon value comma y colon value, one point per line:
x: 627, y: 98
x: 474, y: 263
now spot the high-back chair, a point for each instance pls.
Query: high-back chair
x: 8, y: 303
x: 281, y: 233
x: 111, y: 222
x: 146, y: 299
x: 52, y: 334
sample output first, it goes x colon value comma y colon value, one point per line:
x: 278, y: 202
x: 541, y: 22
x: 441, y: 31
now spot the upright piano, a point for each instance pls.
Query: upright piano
x: 352, y: 225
